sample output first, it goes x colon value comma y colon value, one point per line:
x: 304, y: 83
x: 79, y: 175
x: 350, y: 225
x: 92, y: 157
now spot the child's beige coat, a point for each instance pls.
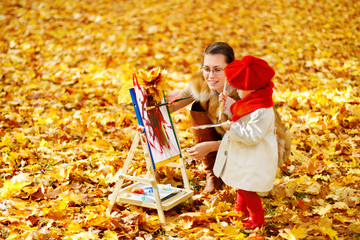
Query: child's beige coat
x: 248, y: 155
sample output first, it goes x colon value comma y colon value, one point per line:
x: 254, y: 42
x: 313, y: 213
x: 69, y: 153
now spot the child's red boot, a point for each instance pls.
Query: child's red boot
x: 242, y: 209
x: 240, y: 205
x: 254, y: 206
x: 256, y: 220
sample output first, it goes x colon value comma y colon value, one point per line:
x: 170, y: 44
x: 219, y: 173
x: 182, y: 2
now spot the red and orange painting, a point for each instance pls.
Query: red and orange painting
x: 160, y: 134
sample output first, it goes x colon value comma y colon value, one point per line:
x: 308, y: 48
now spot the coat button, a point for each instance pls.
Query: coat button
x: 225, y: 153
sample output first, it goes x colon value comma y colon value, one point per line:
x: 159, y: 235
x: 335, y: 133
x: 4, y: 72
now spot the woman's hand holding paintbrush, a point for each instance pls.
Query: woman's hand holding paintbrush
x: 165, y: 103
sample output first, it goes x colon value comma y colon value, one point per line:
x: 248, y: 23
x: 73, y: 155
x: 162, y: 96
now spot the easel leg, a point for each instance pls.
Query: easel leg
x: 158, y: 204
x: 114, y: 195
x: 153, y: 182
x: 184, y: 174
x: 120, y: 181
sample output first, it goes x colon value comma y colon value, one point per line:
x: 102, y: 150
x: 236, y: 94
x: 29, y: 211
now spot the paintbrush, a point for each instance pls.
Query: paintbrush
x: 165, y: 103
x: 222, y: 102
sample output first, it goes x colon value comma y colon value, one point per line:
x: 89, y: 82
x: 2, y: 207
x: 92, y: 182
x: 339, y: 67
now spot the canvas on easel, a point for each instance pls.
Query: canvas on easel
x: 160, y: 133
x: 160, y: 146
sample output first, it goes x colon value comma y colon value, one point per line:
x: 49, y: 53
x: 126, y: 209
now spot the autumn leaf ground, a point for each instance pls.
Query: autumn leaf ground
x: 63, y: 135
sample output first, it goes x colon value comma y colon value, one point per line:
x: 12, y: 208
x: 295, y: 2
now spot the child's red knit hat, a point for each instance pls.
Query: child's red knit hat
x: 249, y: 73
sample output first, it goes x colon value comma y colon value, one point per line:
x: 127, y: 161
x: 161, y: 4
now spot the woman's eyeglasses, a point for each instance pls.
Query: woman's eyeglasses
x: 216, y: 71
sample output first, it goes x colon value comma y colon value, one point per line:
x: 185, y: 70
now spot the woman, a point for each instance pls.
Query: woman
x: 205, y: 109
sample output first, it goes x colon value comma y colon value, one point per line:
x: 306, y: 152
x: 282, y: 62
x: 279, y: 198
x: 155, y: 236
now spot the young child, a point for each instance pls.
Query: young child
x: 248, y: 153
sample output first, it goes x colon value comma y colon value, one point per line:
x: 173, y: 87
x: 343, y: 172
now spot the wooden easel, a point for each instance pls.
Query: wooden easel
x: 121, y: 195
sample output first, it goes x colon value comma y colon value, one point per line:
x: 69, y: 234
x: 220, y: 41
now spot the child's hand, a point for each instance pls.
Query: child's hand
x: 226, y: 125
x: 222, y: 97
x: 227, y: 104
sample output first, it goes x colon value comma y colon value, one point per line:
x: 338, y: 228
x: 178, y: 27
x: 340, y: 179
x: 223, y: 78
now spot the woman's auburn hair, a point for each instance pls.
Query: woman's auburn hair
x: 221, y: 48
